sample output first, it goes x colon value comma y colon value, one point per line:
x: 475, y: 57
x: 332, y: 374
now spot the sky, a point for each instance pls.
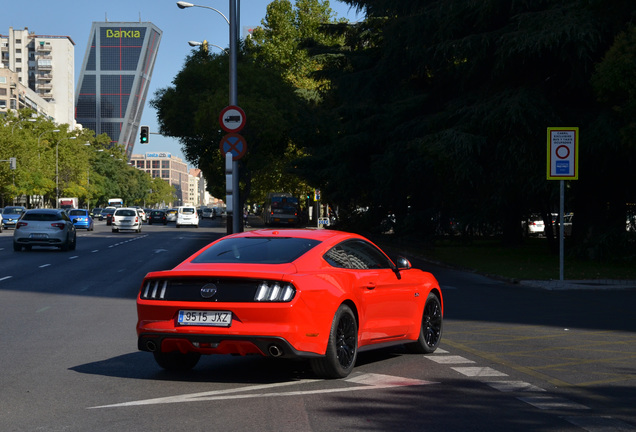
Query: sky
x: 74, y: 18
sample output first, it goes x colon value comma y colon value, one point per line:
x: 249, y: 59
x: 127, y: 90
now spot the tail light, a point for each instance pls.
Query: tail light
x: 58, y: 225
x: 20, y: 224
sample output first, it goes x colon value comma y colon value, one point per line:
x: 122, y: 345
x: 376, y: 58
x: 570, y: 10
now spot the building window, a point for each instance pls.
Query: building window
x: 155, y: 164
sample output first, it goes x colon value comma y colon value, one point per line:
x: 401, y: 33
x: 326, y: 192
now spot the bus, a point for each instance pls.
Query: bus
x: 280, y: 208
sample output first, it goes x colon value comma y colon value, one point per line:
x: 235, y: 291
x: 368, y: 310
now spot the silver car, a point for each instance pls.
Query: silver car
x: 126, y: 218
x: 44, y: 227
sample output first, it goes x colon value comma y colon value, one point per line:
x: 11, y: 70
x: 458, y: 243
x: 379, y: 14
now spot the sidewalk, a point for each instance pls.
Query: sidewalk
x: 592, y: 284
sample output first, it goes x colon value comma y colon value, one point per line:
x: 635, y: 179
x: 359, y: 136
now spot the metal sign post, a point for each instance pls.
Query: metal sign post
x: 563, y: 164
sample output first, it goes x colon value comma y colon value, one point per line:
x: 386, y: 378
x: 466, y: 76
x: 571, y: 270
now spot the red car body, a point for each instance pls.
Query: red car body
x: 313, y: 294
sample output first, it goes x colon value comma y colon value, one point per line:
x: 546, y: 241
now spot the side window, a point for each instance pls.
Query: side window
x: 336, y: 257
x: 357, y: 254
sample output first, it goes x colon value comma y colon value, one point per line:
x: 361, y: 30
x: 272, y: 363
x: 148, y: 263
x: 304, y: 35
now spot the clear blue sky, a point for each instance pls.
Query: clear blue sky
x: 74, y: 18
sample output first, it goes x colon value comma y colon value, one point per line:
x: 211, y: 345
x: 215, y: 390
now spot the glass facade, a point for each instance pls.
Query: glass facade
x: 115, y: 77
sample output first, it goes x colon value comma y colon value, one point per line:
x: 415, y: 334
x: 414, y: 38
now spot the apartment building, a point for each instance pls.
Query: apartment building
x: 38, y: 72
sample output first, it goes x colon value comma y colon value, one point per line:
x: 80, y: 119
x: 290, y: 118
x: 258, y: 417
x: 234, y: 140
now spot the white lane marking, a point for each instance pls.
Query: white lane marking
x: 551, y: 402
x: 5, y: 278
x: 514, y: 386
x: 74, y: 257
x: 367, y: 381
x: 44, y: 265
x: 478, y: 371
x: 45, y: 308
x: 600, y: 424
x: 96, y: 250
x: 450, y: 359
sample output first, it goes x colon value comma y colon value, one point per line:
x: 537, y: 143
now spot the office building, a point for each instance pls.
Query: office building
x: 41, y: 71
x: 115, y: 77
x: 170, y: 168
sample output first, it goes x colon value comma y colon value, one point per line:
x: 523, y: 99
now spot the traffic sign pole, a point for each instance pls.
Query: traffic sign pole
x: 563, y: 164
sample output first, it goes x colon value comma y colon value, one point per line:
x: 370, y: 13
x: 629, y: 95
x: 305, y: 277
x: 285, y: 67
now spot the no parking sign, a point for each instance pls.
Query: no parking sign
x: 563, y: 153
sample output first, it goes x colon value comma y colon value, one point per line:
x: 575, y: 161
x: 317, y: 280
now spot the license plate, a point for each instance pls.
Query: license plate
x: 207, y: 318
x: 38, y: 236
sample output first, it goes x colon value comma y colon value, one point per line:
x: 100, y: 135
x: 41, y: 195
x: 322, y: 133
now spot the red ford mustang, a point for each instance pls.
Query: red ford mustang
x: 317, y: 294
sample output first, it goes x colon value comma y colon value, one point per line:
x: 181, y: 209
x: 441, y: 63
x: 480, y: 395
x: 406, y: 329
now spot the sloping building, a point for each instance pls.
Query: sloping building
x: 114, y: 80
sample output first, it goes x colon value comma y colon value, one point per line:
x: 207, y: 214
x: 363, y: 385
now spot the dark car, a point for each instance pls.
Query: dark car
x: 44, y: 227
x: 107, y: 214
x: 157, y: 216
x: 81, y: 218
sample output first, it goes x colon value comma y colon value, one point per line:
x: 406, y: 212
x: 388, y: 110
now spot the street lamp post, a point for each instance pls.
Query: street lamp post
x: 57, y: 171
x: 233, y: 21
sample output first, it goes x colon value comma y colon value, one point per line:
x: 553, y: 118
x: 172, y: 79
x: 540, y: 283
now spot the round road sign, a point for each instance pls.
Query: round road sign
x: 232, y: 119
x: 235, y: 144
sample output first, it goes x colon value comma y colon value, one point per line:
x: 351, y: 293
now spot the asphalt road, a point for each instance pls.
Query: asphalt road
x: 511, y: 358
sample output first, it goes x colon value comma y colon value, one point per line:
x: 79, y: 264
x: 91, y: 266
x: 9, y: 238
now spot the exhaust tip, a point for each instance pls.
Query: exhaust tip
x: 275, y: 351
x: 151, y: 346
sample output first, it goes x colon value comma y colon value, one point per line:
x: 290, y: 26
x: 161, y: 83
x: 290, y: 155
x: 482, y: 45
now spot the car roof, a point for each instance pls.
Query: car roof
x: 45, y: 211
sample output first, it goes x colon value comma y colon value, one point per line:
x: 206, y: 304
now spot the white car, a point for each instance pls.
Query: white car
x: 126, y: 218
x: 187, y: 215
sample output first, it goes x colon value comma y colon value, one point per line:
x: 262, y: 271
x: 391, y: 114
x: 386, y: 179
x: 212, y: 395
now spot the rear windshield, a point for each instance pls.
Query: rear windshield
x: 256, y: 250
x: 77, y: 213
x: 126, y: 213
x: 187, y: 210
x: 47, y: 217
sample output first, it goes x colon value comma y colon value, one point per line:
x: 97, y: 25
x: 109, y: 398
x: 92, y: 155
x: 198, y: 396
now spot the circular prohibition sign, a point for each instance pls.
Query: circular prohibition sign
x: 560, y: 153
x: 235, y: 144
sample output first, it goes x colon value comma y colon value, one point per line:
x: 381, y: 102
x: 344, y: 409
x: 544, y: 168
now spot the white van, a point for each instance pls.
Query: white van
x: 187, y: 215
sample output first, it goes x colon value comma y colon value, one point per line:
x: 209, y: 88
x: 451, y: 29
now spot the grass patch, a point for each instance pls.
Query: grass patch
x: 530, y: 261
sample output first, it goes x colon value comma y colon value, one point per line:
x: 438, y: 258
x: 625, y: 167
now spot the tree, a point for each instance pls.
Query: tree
x: 464, y: 90
x: 189, y: 110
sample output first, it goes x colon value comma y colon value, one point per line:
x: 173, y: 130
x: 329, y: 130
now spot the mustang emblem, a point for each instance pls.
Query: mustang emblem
x: 208, y: 291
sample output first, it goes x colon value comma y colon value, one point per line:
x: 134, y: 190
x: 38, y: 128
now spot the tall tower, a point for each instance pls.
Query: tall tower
x: 115, y: 77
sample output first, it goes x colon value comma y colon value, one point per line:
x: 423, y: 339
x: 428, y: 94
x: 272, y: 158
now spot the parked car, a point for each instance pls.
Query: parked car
x: 44, y: 227
x: 81, y: 218
x: 187, y: 215
x: 10, y: 215
x: 2, y: 224
x: 534, y: 226
x: 171, y: 215
x: 157, y: 216
x: 126, y: 218
x: 319, y: 295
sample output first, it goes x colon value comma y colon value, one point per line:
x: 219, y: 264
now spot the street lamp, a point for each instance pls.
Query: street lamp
x: 233, y: 23
x: 20, y: 122
x: 183, y: 5
x: 57, y: 171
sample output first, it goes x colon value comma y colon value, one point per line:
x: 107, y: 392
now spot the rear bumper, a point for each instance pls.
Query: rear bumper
x: 268, y: 346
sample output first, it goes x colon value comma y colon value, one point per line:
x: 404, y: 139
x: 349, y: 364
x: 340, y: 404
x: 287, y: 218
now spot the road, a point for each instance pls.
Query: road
x: 511, y: 358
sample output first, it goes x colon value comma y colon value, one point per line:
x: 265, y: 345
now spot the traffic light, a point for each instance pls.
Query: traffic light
x: 143, y: 136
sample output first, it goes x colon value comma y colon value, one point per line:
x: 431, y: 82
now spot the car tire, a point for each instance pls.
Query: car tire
x: 66, y: 246
x: 342, y: 347
x: 17, y: 247
x: 430, y: 329
x: 176, y: 361
x: 73, y: 244
x: 114, y: 230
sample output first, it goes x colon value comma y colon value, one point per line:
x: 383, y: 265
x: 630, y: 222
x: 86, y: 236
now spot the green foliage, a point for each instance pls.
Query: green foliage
x: 52, y: 156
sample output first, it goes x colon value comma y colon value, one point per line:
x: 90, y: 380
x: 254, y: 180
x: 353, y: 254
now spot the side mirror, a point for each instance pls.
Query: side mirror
x: 402, y: 263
